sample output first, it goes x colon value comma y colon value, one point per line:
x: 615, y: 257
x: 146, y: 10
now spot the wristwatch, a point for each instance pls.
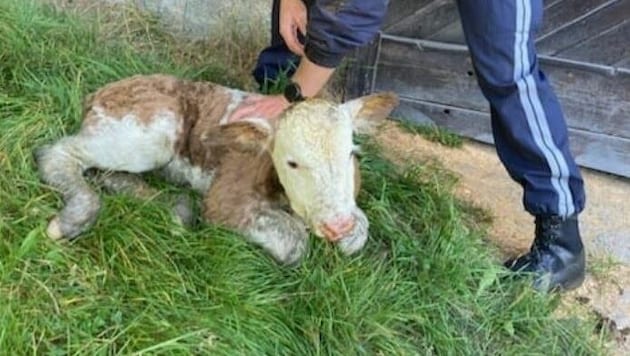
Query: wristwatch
x: 293, y: 93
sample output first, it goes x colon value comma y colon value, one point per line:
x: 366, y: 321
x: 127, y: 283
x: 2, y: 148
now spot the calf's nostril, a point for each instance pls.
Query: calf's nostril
x: 335, y: 229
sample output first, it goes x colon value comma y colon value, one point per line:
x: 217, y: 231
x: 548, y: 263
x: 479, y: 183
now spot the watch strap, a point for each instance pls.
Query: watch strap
x: 293, y: 93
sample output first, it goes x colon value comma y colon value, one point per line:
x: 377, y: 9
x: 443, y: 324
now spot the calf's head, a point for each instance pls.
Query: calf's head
x: 312, y: 149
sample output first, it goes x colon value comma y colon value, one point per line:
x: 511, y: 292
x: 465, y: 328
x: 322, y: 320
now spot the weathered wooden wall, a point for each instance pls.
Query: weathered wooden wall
x: 584, y: 47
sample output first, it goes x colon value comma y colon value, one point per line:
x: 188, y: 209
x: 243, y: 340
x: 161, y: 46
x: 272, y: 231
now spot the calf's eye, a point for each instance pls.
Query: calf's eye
x: 292, y: 164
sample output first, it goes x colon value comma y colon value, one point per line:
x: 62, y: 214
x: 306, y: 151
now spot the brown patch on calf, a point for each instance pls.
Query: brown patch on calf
x: 373, y: 111
x: 205, y: 105
x: 198, y: 105
x: 244, y: 136
x: 245, y: 184
x: 138, y: 95
x: 378, y: 105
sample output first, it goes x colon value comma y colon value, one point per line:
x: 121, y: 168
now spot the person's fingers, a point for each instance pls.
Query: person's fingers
x: 268, y: 110
x: 289, y: 34
x: 300, y: 51
x: 259, y: 108
x: 301, y: 23
x: 285, y: 31
x: 253, y: 97
x: 298, y: 48
x: 265, y: 107
x: 272, y: 111
x: 293, y: 19
x: 242, y: 112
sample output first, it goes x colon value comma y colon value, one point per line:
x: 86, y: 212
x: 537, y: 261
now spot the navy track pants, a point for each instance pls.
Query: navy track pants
x: 528, y: 124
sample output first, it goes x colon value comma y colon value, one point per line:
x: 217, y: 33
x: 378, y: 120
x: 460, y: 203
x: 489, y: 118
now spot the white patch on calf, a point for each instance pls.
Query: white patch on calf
x: 237, y: 97
x: 126, y: 144
x: 281, y: 234
x: 181, y: 171
x: 316, y: 139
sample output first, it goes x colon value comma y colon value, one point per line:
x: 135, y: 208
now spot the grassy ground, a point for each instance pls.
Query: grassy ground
x: 426, y: 284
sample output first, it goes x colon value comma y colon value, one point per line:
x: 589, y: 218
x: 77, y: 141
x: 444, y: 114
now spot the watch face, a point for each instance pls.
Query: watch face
x: 292, y: 93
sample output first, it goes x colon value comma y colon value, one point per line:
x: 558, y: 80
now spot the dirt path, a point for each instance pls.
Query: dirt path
x: 604, y: 223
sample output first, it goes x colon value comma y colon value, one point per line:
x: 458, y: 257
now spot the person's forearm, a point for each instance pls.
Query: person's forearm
x: 311, y: 77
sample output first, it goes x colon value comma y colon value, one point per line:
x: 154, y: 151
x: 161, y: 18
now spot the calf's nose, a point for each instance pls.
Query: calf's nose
x: 336, y: 228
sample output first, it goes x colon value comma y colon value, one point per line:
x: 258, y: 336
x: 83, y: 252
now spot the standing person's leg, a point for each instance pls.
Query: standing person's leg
x: 530, y: 134
x: 277, y: 58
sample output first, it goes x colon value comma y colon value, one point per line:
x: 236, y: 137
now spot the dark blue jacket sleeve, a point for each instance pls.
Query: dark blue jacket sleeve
x: 336, y: 27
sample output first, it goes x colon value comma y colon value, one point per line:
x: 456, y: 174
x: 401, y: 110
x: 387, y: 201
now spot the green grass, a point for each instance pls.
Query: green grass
x: 277, y: 85
x: 138, y: 284
x: 433, y: 133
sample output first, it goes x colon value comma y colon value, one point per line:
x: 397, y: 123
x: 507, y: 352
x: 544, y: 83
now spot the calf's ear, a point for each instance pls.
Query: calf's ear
x: 370, y: 111
x: 246, y: 136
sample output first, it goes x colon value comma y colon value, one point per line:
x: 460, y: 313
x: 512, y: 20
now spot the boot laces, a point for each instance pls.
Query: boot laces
x: 548, y: 232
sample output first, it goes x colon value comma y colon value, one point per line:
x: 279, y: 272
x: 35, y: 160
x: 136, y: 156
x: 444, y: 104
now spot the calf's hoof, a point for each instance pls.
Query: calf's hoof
x: 67, y: 227
x: 294, y: 256
x: 54, y: 229
x: 355, y: 241
x: 352, y: 244
x: 184, y: 211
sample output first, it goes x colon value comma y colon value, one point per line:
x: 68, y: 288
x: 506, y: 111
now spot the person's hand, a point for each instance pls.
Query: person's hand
x: 293, y: 18
x: 268, y: 107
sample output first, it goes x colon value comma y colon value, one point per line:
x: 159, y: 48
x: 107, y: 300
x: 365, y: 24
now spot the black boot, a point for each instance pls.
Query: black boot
x: 556, y: 257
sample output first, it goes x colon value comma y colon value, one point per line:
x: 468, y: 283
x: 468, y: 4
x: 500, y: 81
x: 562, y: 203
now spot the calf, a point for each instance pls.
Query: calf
x: 269, y: 180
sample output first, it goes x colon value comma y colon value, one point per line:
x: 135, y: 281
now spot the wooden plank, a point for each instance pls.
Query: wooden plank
x: 596, y: 151
x: 453, y: 33
x: 437, y: 85
x: 623, y: 63
x: 593, y: 100
x: 439, y: 20
x: 468, y: 123
x: 608, y: 48
x: 360, y: 70
x: 431, y: 75
x: 563, y: 13
x: 400, y: 9
x: 549, y: 3
x: 580, y: 31
x: 428, y: 20
x: 443, y: 74
x: 449, y: 33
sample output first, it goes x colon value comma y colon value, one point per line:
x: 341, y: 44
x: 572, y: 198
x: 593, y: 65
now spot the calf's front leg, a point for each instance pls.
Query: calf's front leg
x: 281, y: 234
x: 357, y: 238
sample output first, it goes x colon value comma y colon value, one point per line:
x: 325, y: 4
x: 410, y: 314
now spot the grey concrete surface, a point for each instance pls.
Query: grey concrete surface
x: 200, y: 18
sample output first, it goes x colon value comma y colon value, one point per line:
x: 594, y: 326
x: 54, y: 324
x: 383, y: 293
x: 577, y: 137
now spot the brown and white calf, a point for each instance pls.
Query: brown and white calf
x: 247, y: 170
